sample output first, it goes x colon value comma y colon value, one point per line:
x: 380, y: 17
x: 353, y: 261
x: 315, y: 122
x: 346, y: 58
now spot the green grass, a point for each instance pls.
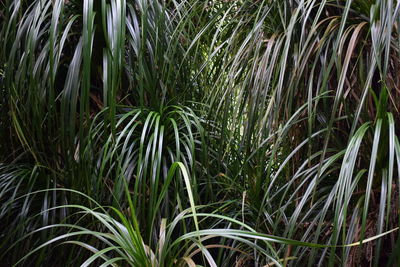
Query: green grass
x: 199, y: 133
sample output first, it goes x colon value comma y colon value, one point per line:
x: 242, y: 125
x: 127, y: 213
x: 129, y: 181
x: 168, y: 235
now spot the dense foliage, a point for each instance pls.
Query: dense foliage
x: 193, y: 132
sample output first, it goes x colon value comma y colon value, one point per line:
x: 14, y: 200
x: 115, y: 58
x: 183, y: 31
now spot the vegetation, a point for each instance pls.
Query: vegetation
x: 199, y: 133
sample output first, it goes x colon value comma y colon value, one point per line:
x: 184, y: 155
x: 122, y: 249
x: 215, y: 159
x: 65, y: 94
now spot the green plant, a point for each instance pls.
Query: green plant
x: 282, y: 115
